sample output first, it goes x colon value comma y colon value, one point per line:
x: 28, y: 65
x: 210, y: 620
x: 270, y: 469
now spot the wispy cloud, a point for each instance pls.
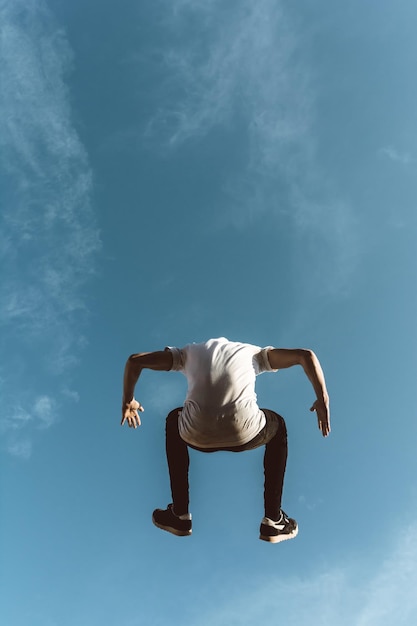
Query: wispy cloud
x: 15, y: 419
x: 45, y: 410
x: 21, y: 449
x: 41, y: 414
x: 242, y: 65
x: 340, y: 596
x: 49, y: 237
x: 236, y: 60
x: 391, y: 593
x: 394, y: 155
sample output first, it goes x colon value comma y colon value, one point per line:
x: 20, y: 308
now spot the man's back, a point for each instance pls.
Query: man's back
x: 221, y: 406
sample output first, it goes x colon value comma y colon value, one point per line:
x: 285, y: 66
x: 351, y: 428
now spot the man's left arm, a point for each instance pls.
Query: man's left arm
x: 281, y: 358
x: 161, y: 361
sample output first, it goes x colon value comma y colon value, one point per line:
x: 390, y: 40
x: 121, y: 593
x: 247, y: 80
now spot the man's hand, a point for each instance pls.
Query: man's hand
x: 161, y: 361
x: 130, y: 413
x: 321, y: 407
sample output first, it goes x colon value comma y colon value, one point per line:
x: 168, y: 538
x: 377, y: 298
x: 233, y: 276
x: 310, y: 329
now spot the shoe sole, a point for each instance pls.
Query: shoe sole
x: 172, y: 530
x: 279, y: 538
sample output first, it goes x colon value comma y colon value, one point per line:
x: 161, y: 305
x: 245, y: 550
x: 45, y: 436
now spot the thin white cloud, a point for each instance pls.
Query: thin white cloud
x: 21, y: 449
x: 14, y: 418
x: 391, y: 593
x: 237, y: 61
x: 20, y: 422
x: 49, y: 235
x: 394, y: 155
x: 330, y: 230
x: 70, y: 394
x: 49, y: 239
x: 341, y: 596
x: 45, y: 410
x: 243, y: 65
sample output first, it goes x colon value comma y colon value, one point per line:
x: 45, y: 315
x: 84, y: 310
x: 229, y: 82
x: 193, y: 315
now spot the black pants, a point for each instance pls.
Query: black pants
x: 273, y: 436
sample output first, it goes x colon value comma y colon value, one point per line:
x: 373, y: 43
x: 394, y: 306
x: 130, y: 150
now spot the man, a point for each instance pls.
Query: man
x: 221, y: 413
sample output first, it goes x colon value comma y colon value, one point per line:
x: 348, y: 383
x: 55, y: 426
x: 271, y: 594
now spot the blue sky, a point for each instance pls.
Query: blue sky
x: 174, y: 171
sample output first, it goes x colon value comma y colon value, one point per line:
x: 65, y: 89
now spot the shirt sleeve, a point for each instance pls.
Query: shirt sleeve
x: 263, y: 361
x: 177, y: 358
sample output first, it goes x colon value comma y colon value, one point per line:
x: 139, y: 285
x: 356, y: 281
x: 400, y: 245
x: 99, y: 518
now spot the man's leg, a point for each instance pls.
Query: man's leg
x: 274, y: 437
x: 275, y: 526
x: 176, y: 519
x: 275, y: 461
x: 178, y: 463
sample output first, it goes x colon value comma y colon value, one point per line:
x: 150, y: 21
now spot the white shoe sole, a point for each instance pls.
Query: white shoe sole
x: 173, y: 531
x: 279, y: 538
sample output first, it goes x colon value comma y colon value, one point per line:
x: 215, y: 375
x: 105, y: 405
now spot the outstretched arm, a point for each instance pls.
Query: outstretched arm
x: 160, y: 361
x: 281, y: 358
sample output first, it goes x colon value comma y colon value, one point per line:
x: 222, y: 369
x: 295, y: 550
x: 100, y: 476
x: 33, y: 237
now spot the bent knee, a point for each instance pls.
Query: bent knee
x: 172, y: 417
x: 281, y: 422
x: 276, y: 421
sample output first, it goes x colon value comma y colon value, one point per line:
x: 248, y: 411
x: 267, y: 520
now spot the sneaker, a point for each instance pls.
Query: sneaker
x: 166, y: 519
x: 282, y: 529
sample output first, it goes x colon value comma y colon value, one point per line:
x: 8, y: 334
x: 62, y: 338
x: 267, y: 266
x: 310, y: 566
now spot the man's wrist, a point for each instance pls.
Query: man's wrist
x: 132, y: 404
x: 125, y: 402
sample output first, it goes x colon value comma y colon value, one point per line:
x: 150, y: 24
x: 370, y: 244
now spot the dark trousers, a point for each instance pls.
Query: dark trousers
x: 273, y: 436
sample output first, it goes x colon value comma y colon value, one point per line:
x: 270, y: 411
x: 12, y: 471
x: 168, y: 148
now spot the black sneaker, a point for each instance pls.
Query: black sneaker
x: 282, y: 529
x: 176, y: 524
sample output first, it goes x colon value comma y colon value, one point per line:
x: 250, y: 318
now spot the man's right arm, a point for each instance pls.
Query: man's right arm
x: 281, y: 358
x: 159, y: 361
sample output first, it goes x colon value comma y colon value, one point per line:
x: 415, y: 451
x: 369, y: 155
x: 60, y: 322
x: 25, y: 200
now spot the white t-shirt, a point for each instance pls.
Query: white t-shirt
x: 221, y: 408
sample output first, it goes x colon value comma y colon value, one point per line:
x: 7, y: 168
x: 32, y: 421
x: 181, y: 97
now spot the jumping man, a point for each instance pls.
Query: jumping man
x: 220, y: 412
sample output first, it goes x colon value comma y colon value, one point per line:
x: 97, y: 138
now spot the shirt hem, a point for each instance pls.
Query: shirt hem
x: 222, y: 444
